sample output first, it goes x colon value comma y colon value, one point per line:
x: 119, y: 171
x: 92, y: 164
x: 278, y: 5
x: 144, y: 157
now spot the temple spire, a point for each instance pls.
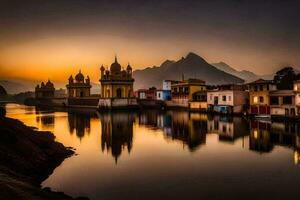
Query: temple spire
x: 116, y: 59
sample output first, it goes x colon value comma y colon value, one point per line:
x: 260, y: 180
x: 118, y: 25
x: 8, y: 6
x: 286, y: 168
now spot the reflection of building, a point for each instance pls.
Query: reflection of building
x: 259, y: 96
x: 45, y: 117
x: 116, y: 83
x: 228, y: 99
x: 260, y: 136
x: 228, y: 128
x: 79, y: 87
x: 80, y: 123
x: 182, y: 92
x: 189, y: 128
x: 45, y: 90
x: 117, y: 132
x: 264, y: 135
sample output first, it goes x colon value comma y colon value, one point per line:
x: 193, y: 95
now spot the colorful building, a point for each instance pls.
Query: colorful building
x: 259, y: 93
x: 149, y: 94
x: 228, y: 99
x: 182, y: 92
x: 45, y: 90
x: 282, y: 103
x: 297, y: 96
x: 199, y: 101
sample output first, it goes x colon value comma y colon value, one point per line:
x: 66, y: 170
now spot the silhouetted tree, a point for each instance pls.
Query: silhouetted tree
x: 284, y: 78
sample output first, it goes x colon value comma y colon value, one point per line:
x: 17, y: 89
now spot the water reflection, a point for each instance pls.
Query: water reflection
x: 80, y: 123
x: 44, y: 116
x: 228, y: 128
x: 116, y: 133
x: 190, y: 129
x: 193, y: 153
x: 265, y: 135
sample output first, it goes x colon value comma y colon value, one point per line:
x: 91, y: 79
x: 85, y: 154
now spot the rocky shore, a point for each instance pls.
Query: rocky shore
x: 27, y: 157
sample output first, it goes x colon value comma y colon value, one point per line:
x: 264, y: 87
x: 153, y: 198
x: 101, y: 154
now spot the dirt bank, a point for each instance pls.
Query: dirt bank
x: 27, y: 157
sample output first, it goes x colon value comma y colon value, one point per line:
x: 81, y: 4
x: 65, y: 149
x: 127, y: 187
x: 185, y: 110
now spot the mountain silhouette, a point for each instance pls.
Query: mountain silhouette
x: 246, y: 75
x: 191, y: 66
x: 2, y: 91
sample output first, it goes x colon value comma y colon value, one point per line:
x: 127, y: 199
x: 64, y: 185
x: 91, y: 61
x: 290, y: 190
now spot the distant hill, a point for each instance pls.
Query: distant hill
x: 244, y: 74
x: 2, y: 91
x: 17, y: 86
x: 191, y: 66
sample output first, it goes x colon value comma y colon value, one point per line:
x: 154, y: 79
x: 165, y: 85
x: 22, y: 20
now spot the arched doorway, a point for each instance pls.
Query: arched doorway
x: 119, y: 93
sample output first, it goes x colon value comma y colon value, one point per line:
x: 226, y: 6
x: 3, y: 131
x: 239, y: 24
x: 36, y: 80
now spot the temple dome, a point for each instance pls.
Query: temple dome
x: 49, y: 84
x: 79, y: 77
x: 115, y: 67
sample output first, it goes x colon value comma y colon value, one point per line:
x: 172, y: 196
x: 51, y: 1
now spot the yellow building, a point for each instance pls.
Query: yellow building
x: 182, y: 92
x: 116, y: 83
x: 79, y: 87
x: 199, y: 101
x: 259, y: 93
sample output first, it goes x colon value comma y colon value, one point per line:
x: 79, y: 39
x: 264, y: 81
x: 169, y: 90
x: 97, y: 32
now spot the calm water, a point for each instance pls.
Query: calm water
x: 170, y: 155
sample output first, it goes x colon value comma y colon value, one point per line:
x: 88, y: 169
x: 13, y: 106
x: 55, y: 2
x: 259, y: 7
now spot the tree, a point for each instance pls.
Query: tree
x: 284, y: 78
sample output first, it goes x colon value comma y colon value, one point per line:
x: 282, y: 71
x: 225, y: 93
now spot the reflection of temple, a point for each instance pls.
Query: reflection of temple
x: 228, y: 128
x: 45, y: 117
x: 80, y: 123
x: 117, y: 133
x: 45, y: 90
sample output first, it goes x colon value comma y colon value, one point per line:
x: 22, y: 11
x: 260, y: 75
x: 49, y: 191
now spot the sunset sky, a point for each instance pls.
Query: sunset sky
x: 40, y: 40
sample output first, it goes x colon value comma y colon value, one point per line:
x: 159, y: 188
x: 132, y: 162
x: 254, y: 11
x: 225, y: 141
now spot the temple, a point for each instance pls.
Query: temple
x: 116, y: 82
x: 79, y: 87
x: 116, y: 87
x: 44, y: 90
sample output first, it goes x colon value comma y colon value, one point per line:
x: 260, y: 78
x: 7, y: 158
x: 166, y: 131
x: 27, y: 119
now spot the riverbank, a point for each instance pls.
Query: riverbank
x: 28, y: 157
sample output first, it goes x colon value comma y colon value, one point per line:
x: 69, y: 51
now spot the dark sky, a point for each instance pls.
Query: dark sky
x: 260, y: 36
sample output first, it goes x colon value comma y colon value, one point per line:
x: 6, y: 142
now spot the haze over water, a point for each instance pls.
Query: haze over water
x: 169, y: 155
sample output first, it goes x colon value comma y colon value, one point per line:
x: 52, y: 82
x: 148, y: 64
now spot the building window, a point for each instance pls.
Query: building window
x: 287, y: 100
x: 229, y: 98
x: 268, y: 87
x: 210, y: 97
x: 255, y: 88
x: 261, y: 99
x: 186, y: 89
x: 274, y: 100
x: 158, y: 95
x: 180, y: 89
x: 224, y: 98
x: 261, y: 88
x: 255, y: 99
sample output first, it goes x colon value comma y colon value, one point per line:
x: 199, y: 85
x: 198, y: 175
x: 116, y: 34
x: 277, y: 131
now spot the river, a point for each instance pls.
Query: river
x: 169, y: 155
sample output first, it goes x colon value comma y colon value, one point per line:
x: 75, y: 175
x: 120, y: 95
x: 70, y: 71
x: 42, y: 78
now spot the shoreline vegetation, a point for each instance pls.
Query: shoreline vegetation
x: 28, y: 157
